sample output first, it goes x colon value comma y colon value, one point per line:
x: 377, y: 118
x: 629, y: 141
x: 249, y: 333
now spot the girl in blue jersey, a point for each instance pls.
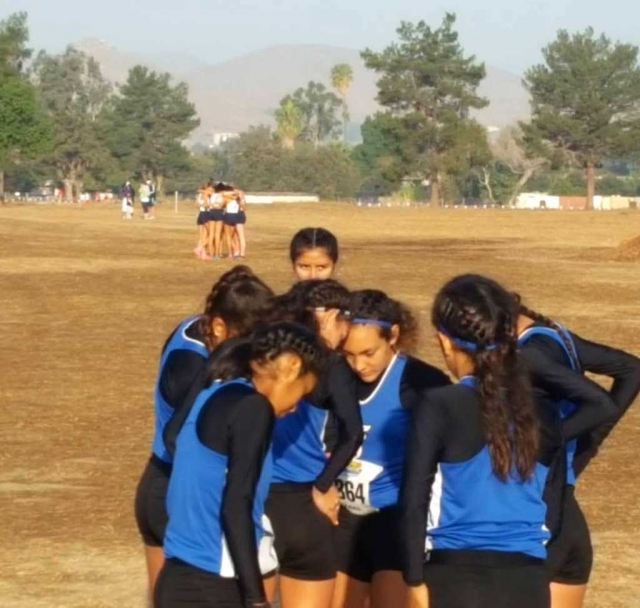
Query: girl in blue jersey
x: 389, y: 384
x: 473, y: 513
x: 314, y: 253
x: 215, y: 545
x: 303, y: 502
x: 557, y: 359
x: 237, y: 301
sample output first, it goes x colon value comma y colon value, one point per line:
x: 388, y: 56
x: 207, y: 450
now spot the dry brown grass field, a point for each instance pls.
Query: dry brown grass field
x: 87, y: 301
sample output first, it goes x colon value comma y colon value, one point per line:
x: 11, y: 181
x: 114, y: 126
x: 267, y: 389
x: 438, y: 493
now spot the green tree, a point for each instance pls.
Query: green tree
x: 290, y: 122
x: 584, y: 101
x: 147, y: 124
x: 319, y: 108
x: 430, y: 85
x: 74, y: 95
x: 24, y: 129
x: 341, y: 80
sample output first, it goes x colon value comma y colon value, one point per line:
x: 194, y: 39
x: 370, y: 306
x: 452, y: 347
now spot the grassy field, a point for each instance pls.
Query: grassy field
x: 87, y: 301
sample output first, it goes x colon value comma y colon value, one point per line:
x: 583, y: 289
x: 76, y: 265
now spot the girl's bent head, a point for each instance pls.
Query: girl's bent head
x: 238, y: 301
x: 314, y: 253
x: 380, y: 326
x: 322, y: 306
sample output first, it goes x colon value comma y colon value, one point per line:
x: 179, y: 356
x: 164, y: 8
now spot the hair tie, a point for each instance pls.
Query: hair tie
x: 377, y: 322
x: 465, y: 344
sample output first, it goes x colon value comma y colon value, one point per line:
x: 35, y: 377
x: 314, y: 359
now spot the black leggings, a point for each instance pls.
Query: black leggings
x: 182, y: 585
x: 486, y: 579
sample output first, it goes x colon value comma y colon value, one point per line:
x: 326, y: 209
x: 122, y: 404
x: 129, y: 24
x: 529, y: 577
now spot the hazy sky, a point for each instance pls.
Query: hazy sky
x: 505, y: 33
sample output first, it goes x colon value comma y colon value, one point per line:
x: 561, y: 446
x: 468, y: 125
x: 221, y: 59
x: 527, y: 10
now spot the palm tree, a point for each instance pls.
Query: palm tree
x: 341, y: 79
x: 290, y: 122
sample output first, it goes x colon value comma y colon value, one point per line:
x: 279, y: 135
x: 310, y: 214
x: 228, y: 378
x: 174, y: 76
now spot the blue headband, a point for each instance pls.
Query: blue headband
x: 459, y: 342
x: 378, y: 322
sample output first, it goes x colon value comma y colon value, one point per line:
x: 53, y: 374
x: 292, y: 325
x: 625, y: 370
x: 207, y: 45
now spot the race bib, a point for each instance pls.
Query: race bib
x: 354, y: 486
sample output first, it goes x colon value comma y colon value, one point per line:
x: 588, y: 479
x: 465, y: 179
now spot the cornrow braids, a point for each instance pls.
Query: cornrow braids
x: 265, y: 345
x: 375, y: 305
x: 313, y: 238
x: 478, y: 315
x: 301, y: 302
x: 240, y: 299
x: 550, y: 323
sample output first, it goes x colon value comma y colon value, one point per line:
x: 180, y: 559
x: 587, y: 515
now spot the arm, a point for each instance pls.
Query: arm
x: 625, y: 371
x: 424, y: 445
x: 344, y: 405
x: 249, y: 437
x: 593, y: 405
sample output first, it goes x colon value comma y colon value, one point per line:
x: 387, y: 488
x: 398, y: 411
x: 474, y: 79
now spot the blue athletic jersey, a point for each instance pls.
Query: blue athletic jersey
x: 163, y: 411
x: 297, y: 445
x: 566, y: 407
x: 195, y: 495
x: 372, y: 480
x: 472, y: 509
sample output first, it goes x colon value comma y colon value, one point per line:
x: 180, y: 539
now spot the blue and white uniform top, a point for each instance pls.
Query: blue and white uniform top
x: 195, y: 499
x: 471, y: 508
x: 566, y: 407
x: 372, y: 480
x: 179, y: 340
x: 299, y: 453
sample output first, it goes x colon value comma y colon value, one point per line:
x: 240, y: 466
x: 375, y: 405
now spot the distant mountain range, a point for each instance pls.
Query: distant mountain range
x: 232, y: 95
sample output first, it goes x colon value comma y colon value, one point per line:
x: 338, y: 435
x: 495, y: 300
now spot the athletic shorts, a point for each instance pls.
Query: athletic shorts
x: 181, y: 584
x: 232, y: 219
x: 570, y: 554
x: 150, y: 504
x: 366, y: 544
x: 203, y: 218
x: 303, y: 535
x: 215, y: 215
x: 146, y: 207
x: 486, y: 579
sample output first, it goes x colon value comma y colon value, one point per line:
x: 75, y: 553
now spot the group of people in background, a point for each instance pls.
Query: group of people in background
x: 302, y: 449
x: 146, y: 192
x: 221, y: 222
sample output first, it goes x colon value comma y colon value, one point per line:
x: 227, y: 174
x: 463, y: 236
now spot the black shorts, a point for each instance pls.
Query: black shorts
x: 303, y: 535
x: 150, y: 504
x: 366, y: 544
x: 180, y: 584
x: 203, y: 218
x: 146, y: 207
x: 486, y: 579
x: 232, y: 219
x: 215, y: 215
x: 570, y: 554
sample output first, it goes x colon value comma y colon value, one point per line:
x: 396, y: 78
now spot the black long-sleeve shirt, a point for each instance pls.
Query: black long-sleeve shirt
x: 597, y: 411
x: 238, y: 422
x: 336, y: 392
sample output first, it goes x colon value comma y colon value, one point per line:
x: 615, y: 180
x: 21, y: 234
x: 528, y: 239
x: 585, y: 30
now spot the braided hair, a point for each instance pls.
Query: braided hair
x: 313, y: 238
x: 301, y: 302
x: 267, y: 344
x: 477, y: 314
x: 376, y: 305
x: 240, y: 299
x: 547, y: 322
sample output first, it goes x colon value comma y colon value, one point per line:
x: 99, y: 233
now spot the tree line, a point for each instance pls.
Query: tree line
x: 60, y: 119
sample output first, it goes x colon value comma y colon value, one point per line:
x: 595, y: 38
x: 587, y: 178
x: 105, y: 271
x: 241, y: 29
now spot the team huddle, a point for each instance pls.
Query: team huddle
x: 300, y: 449
x: 221, y: 215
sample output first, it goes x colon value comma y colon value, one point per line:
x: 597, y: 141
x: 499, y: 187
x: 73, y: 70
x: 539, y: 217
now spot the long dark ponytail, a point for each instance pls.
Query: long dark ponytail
x: 478, y: 315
